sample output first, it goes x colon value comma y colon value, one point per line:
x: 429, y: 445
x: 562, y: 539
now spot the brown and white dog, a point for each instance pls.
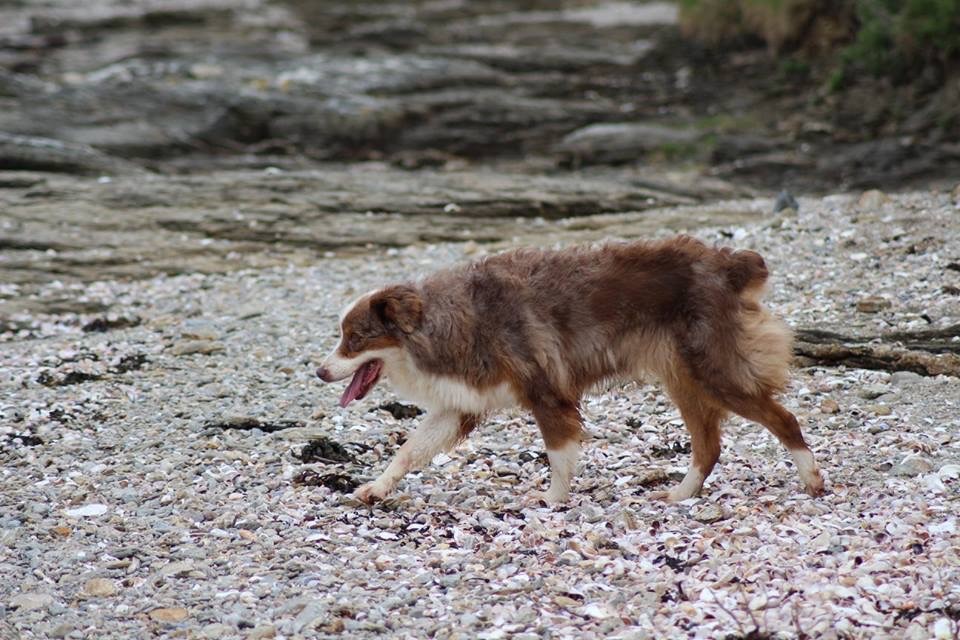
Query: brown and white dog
x: 540, y: 328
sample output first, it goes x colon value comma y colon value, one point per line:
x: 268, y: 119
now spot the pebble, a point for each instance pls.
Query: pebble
x: 872, y: 304
x: 31, y: 601
x: 829, y: 406
x: 913, y: 466
x: 872, y: 199
x: 175, y: 614
x: 873, y: 391
x: 87, y: 511
x: 262, y: 632
x: 189, y: 347
x: 99, y: 587
x: 904, y: 378
x: 711, y: 512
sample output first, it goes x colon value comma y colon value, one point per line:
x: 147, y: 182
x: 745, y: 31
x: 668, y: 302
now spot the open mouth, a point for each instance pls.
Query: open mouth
x: 363, y: 380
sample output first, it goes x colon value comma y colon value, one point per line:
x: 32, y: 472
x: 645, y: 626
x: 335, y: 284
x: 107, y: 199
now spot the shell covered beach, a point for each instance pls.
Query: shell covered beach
x: 172, y: 467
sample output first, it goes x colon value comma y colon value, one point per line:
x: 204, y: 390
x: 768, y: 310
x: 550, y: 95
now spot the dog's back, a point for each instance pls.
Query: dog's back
x: 559, y: 321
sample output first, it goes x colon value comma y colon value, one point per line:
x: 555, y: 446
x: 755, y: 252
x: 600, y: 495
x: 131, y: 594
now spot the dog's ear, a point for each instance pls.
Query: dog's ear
x: 399, y: 306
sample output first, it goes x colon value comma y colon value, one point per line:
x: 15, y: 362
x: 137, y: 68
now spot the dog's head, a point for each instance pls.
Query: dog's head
x: 372, y: 331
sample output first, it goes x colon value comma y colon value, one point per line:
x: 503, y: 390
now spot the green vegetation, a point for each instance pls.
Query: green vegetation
x: 882, y: 37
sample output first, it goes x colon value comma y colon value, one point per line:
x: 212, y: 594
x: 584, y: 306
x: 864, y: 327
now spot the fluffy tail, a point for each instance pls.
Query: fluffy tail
x: 738, y: 348
x: 747, y: 273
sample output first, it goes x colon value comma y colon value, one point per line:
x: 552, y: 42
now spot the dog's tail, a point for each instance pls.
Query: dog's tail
x: 741, y: 350
x: 746, y: 273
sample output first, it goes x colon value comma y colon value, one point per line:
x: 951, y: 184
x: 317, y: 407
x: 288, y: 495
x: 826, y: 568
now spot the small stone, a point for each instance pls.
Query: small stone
x: 199, y: 330
x: 785, y: 200
x: 87, y: 511
x: 829, y: 405
x: 872, y: 199
x: 99, y: 588
x: 216, y: 630
x: 61, y: 531
x: 262, y: 632
x: 176, y: 614
x: 956, y: 194
x: 31, y: 601
x: 709, y: 513
x: 905, y: 378
x: 566, y: 602
x: 61, y: 630
x: 189, y: 347
x: 911, y: 467
x: 873, y: 391
x: 177, y: 569
x: 872, y: 304
x: 878, y: 409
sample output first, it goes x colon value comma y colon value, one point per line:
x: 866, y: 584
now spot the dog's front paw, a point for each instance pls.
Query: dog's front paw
x: 372, y: 492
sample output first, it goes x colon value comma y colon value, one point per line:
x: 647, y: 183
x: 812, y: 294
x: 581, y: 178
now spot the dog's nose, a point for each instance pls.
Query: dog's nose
x: 324, y: 374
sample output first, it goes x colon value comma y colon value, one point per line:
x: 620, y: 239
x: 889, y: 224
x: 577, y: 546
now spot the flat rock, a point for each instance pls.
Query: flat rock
x: 87, y: 511
x: 31, y: 601
x: 709, y: 513
x: 873, y: 304
x: 175, y: 614
x: 190, y: 347
x: 904, y: 378
x: 99, y: 587
x: 911, y: 467
x: 872, y: 199
x: 829, y: 406
x: 624, y: 142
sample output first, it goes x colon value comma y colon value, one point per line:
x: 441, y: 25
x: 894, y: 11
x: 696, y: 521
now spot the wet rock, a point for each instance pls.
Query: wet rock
x: 873, y: 304
x: 46, y: 154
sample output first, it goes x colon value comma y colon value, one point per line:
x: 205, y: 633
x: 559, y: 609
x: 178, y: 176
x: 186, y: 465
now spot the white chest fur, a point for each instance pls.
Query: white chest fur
x: 435, y: 393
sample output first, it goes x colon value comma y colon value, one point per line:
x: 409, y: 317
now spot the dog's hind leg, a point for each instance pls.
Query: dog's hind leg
x: 702, y: 416
x: 438, y: 432
x: 784, y: 425
x: 562, y: 430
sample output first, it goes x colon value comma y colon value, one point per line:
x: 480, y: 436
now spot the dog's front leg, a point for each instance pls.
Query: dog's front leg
x: 438, y: 432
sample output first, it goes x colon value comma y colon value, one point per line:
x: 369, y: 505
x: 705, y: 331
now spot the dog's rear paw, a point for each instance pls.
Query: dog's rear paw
x: 371, y: 493
x: 546, y: 498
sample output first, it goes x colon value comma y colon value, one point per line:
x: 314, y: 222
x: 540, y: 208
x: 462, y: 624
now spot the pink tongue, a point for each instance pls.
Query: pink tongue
x: 363, y: 379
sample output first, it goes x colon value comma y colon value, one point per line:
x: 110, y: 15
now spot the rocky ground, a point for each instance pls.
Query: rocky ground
x: 189, y: 192
x: 171, y: 466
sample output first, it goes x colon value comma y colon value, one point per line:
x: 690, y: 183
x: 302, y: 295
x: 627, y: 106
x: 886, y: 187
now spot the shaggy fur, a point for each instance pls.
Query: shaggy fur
x: 541, y: 328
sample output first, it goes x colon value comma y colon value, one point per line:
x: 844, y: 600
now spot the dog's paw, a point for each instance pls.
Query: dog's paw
x: 546, y: 498
x: 371, y: 493
x: 815, y: 486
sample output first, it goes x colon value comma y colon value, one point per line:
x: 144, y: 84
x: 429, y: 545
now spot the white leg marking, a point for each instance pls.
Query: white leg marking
x: 563, y: 464
x: 438, y: 432
x: 689, y: 486
x: 809, y: 473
